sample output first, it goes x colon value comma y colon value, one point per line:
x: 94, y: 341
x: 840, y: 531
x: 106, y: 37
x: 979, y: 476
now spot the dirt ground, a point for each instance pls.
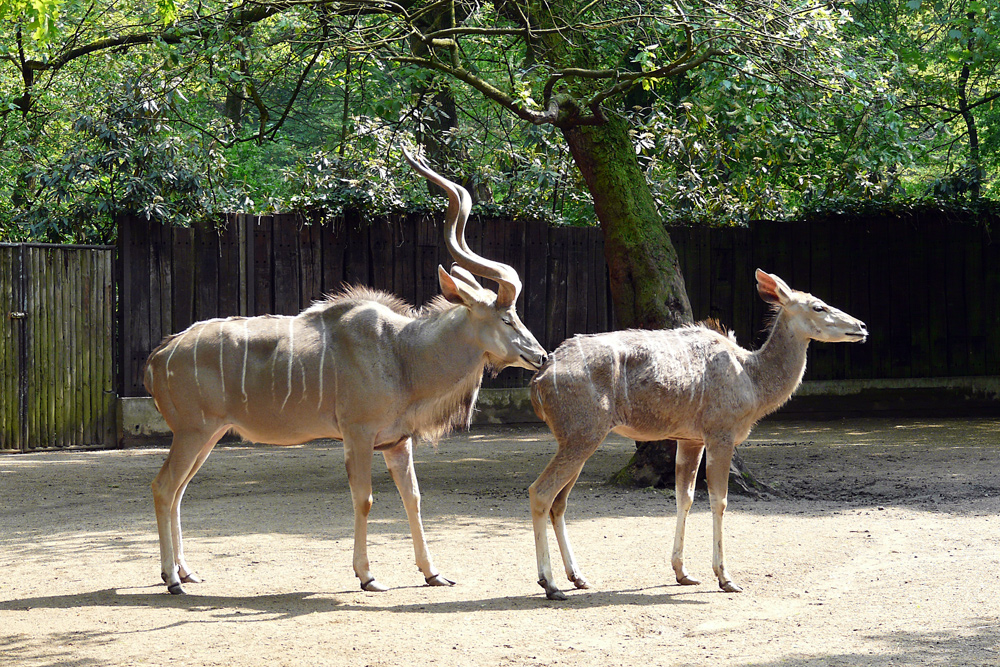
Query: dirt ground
x: 884, y: 552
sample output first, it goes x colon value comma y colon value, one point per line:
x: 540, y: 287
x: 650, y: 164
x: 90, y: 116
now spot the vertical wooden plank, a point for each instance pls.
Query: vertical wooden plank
x: 555, y: 319
x: 884, y: 316
x: 157, y: 291
x: 536, y: 278
x: 576, y: 282
x: 77, y: 378
x: 310, y: 264
x: 404, y: 256
x: 122, y: 274
x: 976, y: 301
x: 230, y: 280
x: 817, y: 243
x: 605, y: 314
x: 161, y: 239
x: 44, y: 368
x: 107, y: 395
x: 69, y: 266
x: 11, y: 348
x: 957, y: 350
x: 287, y: 280
x: 184, y: 276
x: 990, y: 303
x: 939, y: 302
x: 263, y: 266
x: 429, y: 239
x: 81, y: 268
x: 721, y: 264
x: 764, y: 252
x: 54, y: 356
x: 798, y: 265
x: 744, y: 292
x: 595, y: 276
x: 29, y: 370
x: 33, y: 333
x: 332, y: 255
x: 207, y: 276
x: 7, y: 370
x: 50, y: 358
x: 855, y: 251
x: 136, y: 306
x: 102, y: 305
x: 381, y: 250
x: 915, y: 253
x: 358, y: 263
x: 900, y: 303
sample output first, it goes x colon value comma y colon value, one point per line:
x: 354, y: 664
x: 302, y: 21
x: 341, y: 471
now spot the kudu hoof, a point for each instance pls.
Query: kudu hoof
x: 579, y: 581
x: 730, y: 587
x: 687, y: 581
x: 551, y: 592
x: 175, y: 588
x: 438, y: 580
x: 373, y: 586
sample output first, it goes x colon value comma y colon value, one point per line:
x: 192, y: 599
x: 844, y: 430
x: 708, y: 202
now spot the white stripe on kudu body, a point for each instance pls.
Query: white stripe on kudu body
x: 693, y: 384
x: 369, y: 373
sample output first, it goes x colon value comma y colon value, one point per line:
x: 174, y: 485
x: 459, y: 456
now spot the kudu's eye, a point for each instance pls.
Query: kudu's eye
x: 819, y: 309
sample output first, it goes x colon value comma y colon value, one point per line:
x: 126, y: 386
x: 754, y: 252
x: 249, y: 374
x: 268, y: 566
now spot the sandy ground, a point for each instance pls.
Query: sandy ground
x: 885, y: 552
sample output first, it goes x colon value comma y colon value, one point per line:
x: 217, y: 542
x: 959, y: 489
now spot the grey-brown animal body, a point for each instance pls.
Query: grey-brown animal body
x: 361, y: 367
x: 691, y: 384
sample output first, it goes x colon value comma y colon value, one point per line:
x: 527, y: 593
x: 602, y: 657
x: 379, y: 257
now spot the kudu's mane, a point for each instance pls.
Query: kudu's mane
x: 360, y: 293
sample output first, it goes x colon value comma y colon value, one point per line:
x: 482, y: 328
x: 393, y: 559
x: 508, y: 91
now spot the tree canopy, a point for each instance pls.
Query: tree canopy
x: 768, y: 108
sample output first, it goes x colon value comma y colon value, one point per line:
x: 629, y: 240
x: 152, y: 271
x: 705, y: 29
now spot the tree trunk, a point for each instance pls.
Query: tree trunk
x: 975, y: 165
x: 647, y: 286
x: 646, y: 282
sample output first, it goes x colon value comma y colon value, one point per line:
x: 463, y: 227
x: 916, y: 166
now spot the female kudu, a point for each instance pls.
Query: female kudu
x: 690, y: 384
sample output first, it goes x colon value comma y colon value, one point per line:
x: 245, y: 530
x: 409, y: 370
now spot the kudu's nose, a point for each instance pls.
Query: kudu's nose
x: 536, y: 359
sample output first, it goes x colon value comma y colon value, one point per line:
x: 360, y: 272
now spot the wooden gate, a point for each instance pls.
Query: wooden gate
x: 56, y: 347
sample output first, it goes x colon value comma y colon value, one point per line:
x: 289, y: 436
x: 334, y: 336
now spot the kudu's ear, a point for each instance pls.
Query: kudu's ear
x: 771, y: 288
x: 456, y: 290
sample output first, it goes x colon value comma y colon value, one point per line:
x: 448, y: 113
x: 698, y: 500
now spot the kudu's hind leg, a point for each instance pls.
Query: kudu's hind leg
x: 689, y: 453
x: 552, y: 486
x: 188, y: 453
x: 399, y: 461
x: 558, y: 516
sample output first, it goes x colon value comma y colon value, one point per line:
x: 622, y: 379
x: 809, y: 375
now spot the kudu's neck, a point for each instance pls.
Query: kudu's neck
x: 444, y: 350
x: 777, y: 367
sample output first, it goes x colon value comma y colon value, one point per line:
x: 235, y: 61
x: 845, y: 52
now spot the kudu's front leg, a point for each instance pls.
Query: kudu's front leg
x: 358, y: 452
x: 686, y: 462
x: 188, y: 453
x: 720, y: 456
x: 399, y: 461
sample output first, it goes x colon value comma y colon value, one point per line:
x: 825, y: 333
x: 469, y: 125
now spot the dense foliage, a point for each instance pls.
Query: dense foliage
x: 182, y: 110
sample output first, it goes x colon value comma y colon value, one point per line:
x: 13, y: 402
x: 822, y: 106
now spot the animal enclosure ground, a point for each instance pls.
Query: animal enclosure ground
x: 885, y: 552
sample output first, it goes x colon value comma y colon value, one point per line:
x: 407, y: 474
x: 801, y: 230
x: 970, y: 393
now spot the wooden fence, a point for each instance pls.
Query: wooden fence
x: 928, y: 290
x: 56, y: 347
x: 172, y: 277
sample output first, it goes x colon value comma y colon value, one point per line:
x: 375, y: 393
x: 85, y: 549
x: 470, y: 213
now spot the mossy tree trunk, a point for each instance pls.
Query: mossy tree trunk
x: 646, y: 281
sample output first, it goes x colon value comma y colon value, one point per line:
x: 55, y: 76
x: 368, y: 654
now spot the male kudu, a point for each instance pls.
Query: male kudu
x: 360, y: 366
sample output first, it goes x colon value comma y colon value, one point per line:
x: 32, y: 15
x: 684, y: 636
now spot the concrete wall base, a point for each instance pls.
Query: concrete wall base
x: 930, y: 397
